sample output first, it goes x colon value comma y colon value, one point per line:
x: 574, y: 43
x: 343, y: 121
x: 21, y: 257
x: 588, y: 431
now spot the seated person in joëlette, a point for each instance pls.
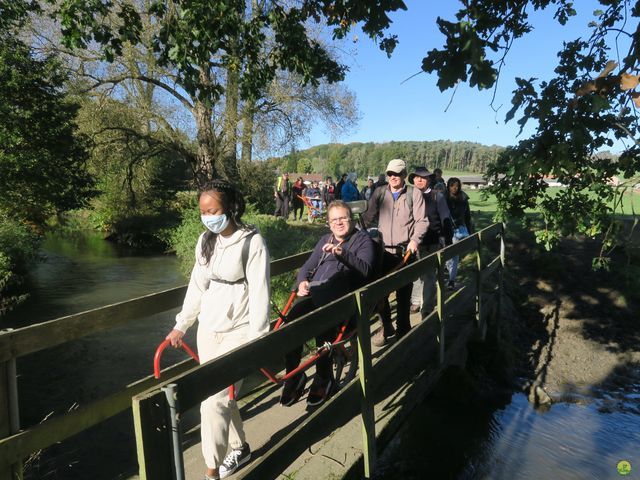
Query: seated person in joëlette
x: 341, y: 262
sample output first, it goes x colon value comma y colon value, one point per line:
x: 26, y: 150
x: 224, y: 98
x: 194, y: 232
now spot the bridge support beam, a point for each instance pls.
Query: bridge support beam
x: 9, y: 414
x: 367, y: 403
x: 440, y: 306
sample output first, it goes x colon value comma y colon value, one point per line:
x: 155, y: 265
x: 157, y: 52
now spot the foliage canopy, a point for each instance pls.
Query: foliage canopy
x: 589, y: 105
x: 42, y: 159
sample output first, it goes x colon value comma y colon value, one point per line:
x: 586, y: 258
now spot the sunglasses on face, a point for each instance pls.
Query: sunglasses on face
x: 393, y: 174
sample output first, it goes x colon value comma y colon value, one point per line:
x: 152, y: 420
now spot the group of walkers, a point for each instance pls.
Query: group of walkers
x: 229, y: 292
x: 290, y: 195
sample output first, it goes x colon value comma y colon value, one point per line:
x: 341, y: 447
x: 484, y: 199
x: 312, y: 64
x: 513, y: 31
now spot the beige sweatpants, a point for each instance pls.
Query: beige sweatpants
x: 221, y: 425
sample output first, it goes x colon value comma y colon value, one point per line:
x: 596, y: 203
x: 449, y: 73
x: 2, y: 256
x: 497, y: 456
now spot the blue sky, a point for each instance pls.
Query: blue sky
x: 415, y: 110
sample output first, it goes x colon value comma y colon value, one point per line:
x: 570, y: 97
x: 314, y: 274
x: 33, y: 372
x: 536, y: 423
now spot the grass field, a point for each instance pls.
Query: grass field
x: 630, y: 202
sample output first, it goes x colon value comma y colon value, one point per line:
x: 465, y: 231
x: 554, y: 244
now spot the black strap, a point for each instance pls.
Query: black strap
x: 245, y: 253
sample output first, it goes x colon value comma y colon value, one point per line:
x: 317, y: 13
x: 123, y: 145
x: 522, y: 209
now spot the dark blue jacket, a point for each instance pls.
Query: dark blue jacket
x: 355, y: 265
x: 349, y: 192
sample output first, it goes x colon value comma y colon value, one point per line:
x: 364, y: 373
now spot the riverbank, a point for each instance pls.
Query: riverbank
x: 577, y: 328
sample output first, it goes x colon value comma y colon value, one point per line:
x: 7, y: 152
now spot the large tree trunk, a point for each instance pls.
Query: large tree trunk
x: 205, y: 167
x: 247, y: 131
x: 228, y: 166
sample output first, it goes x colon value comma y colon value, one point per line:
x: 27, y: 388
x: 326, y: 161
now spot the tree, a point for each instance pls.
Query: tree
x: 590, y: 104
x: 216, y: 49
x: 42, y: 158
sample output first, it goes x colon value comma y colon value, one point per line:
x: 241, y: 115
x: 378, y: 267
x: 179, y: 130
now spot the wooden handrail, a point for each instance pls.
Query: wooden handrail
x: 22, y: 341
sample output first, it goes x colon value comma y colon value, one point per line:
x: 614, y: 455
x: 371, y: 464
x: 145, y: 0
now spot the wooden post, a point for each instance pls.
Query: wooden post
x: 367, y: 402
x: 440, y: 305
x: 9, y: 414
x: 481, y: 326
x: 153, y: 436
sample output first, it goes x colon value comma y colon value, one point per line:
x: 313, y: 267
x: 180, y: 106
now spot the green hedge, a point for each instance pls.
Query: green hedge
x: 18, y: 249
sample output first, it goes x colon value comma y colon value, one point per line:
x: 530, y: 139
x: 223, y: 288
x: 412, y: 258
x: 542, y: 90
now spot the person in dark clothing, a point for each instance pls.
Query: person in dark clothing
x: 342, y: 261
x: 458, y: 203
x: 282, y: 194
x: 382, y: 181
x: 349, y: 189
x: 339, y: 186
x: 297, y: 191
x: 438, y: 235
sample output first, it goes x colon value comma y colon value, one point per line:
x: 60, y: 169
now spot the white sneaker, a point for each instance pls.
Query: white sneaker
x: 234, y: 460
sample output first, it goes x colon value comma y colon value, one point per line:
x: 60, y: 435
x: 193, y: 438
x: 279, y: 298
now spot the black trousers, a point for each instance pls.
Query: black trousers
x: 282, y: 206
x: 403, y: 299
x: 292, y: 359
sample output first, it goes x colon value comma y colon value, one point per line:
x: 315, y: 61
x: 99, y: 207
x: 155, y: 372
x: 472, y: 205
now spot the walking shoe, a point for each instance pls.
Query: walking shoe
x: 414, y: 308
x: 321, y: 389
x: 234, y: 460
x: 451, y: 285
x: 293, y: 389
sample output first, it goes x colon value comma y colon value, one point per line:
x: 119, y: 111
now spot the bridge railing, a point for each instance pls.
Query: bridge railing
x: 156, y: 420
x: 17, y: 444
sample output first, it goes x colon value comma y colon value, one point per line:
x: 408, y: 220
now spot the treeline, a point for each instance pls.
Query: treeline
x: 371, y: 158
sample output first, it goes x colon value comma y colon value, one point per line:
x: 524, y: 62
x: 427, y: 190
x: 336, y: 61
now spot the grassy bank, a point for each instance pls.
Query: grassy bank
x: 479, y: 201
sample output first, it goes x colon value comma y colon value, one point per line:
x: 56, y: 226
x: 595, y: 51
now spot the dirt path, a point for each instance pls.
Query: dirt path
x: 579, y: 328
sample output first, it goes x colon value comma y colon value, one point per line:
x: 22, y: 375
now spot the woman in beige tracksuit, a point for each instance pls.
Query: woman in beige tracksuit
x: 229, y: 295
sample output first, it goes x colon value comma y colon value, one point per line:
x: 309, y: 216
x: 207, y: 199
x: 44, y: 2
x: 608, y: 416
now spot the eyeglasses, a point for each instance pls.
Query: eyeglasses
x: 338, y: 220
x: 394, y: 174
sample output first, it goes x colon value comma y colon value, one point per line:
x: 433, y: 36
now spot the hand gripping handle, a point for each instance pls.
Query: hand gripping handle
x: 158, y: 355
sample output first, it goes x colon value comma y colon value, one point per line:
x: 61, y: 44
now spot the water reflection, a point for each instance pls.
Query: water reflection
x: 81, y: 272
x: 570, y: 441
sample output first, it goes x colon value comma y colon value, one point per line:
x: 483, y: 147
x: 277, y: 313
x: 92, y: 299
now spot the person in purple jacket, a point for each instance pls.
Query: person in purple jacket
x: 342, y: 261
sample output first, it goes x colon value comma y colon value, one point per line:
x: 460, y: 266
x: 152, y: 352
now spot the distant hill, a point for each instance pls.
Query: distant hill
x: 371, y: 158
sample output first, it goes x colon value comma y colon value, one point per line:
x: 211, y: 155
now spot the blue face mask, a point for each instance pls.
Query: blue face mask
x: 215, y: 223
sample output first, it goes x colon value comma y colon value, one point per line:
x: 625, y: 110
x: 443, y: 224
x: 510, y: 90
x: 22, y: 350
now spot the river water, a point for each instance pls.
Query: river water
x: 570, y: 441
x: 582, y: 440
x: 82, y: 272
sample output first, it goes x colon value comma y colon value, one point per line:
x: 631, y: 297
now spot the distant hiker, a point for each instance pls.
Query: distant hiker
x: 382, y: 181
x: 342, y: 261
x: 297, y: 191
x: 282, y: 194
x: 399, y: 210
x: 339, y: 186
x: 367, y: 190
x: 439, y: 233
x: 328, y: 191
x: 313, y: 194
x: 229, y: 295
x: 349, y: 189
x: 458, y: 202
x: 437, y: 172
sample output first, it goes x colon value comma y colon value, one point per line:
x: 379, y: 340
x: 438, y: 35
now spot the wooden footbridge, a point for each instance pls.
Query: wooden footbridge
x: 388, y: 383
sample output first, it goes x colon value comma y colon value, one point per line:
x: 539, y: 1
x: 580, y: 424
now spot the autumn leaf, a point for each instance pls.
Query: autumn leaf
x: 628, y: 82
x: 636, y: 98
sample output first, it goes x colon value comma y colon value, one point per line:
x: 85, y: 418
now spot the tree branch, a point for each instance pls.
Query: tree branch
x: 181, y: 98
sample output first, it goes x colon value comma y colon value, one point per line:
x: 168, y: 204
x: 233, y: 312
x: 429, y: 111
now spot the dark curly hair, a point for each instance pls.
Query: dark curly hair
x: 233, y: 205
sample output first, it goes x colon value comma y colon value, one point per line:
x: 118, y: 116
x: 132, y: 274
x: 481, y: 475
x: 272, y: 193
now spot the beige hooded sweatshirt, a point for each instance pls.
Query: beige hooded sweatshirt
x: 217, y: 295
